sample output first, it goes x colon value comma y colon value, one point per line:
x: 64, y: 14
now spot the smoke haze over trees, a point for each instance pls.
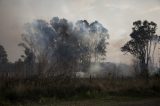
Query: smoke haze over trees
x: 63, y: 48
x: 63, y: 45
x: 64, y: 60
x: 79, y: 52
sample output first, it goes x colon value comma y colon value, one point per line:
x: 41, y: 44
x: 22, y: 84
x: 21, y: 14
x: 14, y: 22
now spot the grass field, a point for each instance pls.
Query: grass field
x: 80, y: 92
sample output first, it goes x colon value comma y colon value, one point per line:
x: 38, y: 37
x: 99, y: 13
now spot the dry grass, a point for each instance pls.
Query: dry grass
x: 15, y: 91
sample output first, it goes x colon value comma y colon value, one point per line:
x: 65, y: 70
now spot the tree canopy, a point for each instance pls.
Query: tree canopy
x: 143, y: 42
x: 3, y: 55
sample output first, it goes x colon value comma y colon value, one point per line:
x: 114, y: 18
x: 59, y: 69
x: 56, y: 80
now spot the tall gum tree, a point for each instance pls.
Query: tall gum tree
x: 142, y: 44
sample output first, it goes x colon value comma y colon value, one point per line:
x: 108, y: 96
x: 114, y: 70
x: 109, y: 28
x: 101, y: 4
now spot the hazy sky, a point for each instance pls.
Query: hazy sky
x: 116, y: 15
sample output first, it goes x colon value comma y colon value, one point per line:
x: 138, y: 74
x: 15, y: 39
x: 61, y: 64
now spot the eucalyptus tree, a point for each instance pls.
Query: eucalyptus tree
x: 3, y: 55
x: 142, y: 44
x: 63, y: 46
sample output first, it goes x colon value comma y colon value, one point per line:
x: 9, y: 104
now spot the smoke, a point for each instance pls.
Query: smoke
x: 38, y: 35
x: 68, y: 44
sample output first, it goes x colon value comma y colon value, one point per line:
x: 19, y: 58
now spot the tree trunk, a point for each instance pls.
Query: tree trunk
x: 144, y: 69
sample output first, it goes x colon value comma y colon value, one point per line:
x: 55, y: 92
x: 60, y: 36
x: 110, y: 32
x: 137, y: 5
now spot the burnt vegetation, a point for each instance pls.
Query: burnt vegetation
x: 59, y: 57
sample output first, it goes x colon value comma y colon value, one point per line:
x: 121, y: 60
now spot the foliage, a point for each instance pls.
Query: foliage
x: 143, y: 42
x: 3, y: 55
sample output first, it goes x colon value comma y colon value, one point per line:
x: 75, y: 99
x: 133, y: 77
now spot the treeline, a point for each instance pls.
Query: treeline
x: 60, y: 48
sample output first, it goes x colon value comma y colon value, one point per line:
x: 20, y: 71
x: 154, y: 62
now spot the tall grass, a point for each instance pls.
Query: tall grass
x: 15, y: 90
